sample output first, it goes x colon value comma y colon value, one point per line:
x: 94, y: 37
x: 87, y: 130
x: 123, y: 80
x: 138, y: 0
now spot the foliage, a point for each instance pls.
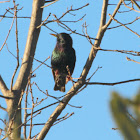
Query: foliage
x: 126, y: 123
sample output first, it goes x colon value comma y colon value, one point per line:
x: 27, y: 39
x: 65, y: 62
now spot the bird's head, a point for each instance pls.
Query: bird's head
x: 63, y: 38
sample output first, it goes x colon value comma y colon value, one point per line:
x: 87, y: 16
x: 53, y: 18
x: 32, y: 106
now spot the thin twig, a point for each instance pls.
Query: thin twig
x: 131, y: 8
x: 112, y: 84
x: 3, y: 108
x: 73, y: 10
x: 41, y: 63
x: 124, y: 11
x: 8, y: 32
x: 44, y: 21
x: 113, y: 15
x: 10, y: 51
x: 124, y: 26
x: 88, y: 80
x: 29, y: 137
x: 25, y: 112
x: 63, y: 119
x: 6, y: 97
x: 128, y: 59
x: 136, y: 4
x: 4, y: 1
x: 64, y: 26
x: 42, y: 108
x: 12, y: 80
x: 3, y: 16
x: 134, y: 53
x: 137, y: 18
x: 28, y: 120
x: 50, y: 29
x: 93, y: 73
x: 74, y: 21
x: 49, y: 4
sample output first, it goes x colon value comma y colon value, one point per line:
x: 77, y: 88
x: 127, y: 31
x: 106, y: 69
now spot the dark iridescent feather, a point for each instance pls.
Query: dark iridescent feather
x: 63, y: 56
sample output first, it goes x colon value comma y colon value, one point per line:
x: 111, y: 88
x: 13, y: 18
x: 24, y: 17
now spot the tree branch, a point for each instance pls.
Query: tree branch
x: 12, y: 80
x: 3, y: 86
x: 97, y: 42
x: 114, y: 13
x: 124, y: 26
x: 4, y: 1
x: 80, y: 82
x: 8, y: 33
x: 30, y: 48
x: 136, y: 4
x: 128, y: 59
x: 137, y: 18
x: 3, y: 108
x: 6, y: 97
x: 111, y: 84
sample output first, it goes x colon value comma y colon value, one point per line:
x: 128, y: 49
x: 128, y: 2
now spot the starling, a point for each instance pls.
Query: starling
x: 62, y: 60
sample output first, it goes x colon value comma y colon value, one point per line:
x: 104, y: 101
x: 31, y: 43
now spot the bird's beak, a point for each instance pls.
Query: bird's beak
x: 54, y: 35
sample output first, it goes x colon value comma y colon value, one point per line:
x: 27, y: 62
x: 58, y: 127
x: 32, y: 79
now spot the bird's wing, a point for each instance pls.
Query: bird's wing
x: 53, y: 74
x: 52, y: 64
x: 72, y: 61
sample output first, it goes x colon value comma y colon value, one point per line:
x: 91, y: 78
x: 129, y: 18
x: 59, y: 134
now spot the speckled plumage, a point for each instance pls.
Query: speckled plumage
x: 63, y: 55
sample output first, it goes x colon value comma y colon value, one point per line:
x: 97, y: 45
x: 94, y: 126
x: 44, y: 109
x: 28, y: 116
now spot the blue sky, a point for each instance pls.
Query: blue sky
x: 93, y: 120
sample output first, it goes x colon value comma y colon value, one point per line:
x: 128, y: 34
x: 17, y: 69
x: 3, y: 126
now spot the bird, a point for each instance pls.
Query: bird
x: 62, y: 60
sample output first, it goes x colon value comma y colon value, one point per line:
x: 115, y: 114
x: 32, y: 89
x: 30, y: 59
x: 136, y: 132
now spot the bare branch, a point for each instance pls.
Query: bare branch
x: 8, y: 33
x: 4, y: 1
x: 10, y: 51
x: 43, y: 108
x: 28, y: 120
x: 94, y: 73
x: 6, y: 97
x: 3, y: 108
x: 57, y: 121
x: 134, y: 53
x: 64, y: 14
x: 97, y: 42
x: 132, y: 60
x: 137, y: 18
x: 30, y: 48
x: 49, y: 4
x: 44, y: 21
x: 114, y: 13
x: 3, y: 16
x: 25, y: 112
x: 29, y: 137
x: 79, y: 84
x: 124, y: 26
x: 136, y: 4
x: 111, y: 84
x: 12, y: 80
x: 41, y: 64
x: 50, y: 29
x: 72, y: 10
x: 63, y: 118
x: 3, y: 86
x: 131, y: 8
x: 74, y: 21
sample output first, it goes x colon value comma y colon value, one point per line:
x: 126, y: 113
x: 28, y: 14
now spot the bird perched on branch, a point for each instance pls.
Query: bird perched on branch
x: 62, y: 61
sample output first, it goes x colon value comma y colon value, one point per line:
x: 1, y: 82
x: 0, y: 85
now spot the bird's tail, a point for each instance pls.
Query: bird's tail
x: 60, y: 81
